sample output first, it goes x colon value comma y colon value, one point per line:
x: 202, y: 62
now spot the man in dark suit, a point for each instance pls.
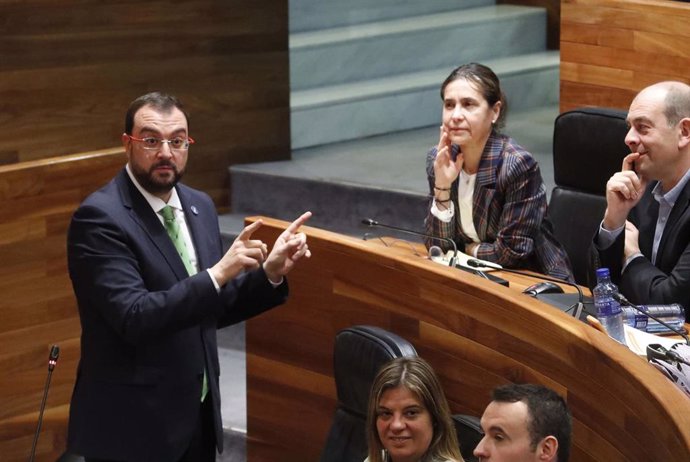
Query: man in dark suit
x: 644, y: 238
x: 525, y: 422
x: 152, y: 286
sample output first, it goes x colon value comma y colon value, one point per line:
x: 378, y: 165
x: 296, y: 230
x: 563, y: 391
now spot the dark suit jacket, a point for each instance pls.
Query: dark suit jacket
x: 508, y: 211
x: 148, y: 329
x: 668, y: 281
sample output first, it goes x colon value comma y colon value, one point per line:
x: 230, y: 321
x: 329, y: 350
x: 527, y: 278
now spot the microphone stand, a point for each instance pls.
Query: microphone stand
x: 621, y: 299
x: 52, y: 361
x: 580, y: 296
x: 373, y: 223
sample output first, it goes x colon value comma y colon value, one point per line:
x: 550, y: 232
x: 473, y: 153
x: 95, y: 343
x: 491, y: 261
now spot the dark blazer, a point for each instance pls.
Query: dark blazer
x: 148, y: 329
x: 668, y: 281
x: 508, y: 211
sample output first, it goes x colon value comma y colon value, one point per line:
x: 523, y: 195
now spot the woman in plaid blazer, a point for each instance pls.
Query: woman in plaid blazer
x: 486, y: 191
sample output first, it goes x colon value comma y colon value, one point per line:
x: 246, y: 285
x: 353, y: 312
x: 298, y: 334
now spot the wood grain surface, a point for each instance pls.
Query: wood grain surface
x: 37, y: 307
x: 475, y: 333
x: 70, y: 68
x: 611, y: 49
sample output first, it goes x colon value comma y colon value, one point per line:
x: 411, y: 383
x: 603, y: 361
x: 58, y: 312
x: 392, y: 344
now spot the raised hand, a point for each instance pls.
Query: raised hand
x: 623, y: 191
x: 290, y: 246
x: 245, y: 253
x: 446, y: 170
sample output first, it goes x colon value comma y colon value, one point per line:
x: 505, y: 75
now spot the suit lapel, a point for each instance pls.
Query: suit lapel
x: 143, y: 216
x: 679, y: 208
x: 485, y: 185
x: 198, y: 227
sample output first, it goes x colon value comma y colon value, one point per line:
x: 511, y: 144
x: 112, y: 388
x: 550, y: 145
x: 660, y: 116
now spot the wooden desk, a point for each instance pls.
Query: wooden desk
x: 476, y: 334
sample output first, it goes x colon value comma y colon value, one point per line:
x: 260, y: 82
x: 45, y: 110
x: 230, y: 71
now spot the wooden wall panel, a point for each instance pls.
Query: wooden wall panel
x: 69, y: 69
x: 37, y: 306
x: 611, y: 49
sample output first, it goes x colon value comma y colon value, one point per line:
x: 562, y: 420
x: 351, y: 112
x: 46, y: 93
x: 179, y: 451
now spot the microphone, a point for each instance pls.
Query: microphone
x: 52, y: 361
x: 372, y: 223
x: 580, y: 296
x: 621, y: 299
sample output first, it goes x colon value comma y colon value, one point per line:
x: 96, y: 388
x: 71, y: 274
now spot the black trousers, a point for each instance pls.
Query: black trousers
x: 202, y: 447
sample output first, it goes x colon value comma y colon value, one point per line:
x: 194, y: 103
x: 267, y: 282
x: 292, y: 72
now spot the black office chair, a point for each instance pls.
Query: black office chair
x: 588, y: 147
x: 67, y: 457
x: 359, y: 353
x: 469, y: 433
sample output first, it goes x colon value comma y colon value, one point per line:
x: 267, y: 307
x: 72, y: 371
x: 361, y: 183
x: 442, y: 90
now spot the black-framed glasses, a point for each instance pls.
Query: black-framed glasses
x: 154, y: 144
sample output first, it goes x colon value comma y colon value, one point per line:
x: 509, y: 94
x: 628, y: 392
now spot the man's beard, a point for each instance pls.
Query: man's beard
x: 155, y: 186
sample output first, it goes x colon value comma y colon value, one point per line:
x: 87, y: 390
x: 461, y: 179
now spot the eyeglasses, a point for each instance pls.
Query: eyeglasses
x: 154, y: 144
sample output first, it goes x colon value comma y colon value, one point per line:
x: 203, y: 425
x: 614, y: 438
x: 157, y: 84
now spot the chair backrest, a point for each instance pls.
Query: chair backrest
x: 588, y: 147
x: 469, y: 433
x: 359, y: 353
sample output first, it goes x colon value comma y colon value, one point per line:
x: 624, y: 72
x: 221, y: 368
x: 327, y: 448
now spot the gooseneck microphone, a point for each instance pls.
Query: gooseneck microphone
x: 373, y: 223
x: 624, y: 301
x: 52, y: 361
x: 487, y: 264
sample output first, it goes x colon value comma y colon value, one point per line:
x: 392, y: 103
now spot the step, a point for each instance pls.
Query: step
x: 381, y: 177
x: 349, y: 111
x: 320, y: 14
x: 401, y: 46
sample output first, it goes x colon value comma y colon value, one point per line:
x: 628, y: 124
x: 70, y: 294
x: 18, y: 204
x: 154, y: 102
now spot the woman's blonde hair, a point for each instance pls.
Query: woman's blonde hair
x: 417, y: 376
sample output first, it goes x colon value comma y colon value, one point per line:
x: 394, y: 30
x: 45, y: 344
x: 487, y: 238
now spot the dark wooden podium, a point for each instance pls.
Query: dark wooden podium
x: 476, y: 334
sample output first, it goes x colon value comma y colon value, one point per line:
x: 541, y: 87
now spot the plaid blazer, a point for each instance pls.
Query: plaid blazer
x: 508, y: 211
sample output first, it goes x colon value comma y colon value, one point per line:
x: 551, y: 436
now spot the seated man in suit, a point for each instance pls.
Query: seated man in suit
x: 152, y: 286
x: 525, y: 423
x: 644, y: 238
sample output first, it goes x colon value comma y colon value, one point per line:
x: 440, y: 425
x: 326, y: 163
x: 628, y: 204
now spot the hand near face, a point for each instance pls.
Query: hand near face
x: 446, y: 170
x: 290, y: 246
x: 245, y: 253
x: 623, y: 191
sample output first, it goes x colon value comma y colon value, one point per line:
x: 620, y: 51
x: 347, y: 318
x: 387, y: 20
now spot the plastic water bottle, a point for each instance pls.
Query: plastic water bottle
x: 608, y: 309
x: 673, y: 315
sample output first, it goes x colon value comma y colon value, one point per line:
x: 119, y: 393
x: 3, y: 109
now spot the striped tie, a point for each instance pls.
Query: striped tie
x: 173, y: 229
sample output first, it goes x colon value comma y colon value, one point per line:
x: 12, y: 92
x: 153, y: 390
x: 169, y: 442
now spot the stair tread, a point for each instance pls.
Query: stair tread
x: 362, y: 90
x: 400, y: 155
x: 410, y: 24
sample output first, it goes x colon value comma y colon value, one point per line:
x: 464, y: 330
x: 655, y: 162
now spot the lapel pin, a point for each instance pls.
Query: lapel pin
x: 194, y: 210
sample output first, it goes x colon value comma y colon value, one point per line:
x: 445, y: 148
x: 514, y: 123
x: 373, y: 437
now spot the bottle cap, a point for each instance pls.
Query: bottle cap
x: 602, y: 272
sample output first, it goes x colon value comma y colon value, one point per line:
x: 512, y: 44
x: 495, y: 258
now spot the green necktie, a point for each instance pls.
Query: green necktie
x: 173, y: 229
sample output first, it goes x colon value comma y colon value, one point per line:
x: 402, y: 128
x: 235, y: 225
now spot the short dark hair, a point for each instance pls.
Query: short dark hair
x: 548, y: 413
x: 159, y: 101
x: 487, y: 84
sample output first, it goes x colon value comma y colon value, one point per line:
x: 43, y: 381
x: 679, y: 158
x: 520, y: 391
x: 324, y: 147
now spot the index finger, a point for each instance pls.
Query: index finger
x: 294, y: 226
x: 629, y: 161
x: 247, y: 232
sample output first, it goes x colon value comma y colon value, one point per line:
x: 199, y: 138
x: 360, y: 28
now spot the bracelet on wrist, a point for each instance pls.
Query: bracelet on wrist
x: 441, y: 189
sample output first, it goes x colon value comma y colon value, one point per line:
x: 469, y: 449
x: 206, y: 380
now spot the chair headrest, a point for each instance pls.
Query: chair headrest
x: 360, y: 351
x: 588, y: 147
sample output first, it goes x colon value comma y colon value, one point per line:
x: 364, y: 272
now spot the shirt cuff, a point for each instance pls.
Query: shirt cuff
x: 215, y: 283
x: 444, y: 215
x: 606, y: 238
x: 276, y: 284
x: 630, y: 259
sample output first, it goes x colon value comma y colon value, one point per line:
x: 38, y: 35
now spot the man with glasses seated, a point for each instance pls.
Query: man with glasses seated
x: 152, y: 286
